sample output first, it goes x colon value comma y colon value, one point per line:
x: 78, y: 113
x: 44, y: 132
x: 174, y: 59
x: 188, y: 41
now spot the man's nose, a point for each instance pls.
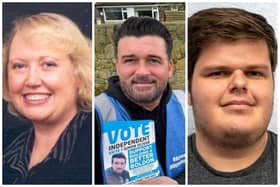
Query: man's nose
x: 238, y: 82
x: 142, y: 68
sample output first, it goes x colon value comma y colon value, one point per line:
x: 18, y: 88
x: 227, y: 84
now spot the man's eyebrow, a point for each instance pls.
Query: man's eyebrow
x: 154, y: 56
x: 261, y: 66
x: 223, y: 67
x: 215, y: 67
x: 132, y: 56
x: 127, y: 56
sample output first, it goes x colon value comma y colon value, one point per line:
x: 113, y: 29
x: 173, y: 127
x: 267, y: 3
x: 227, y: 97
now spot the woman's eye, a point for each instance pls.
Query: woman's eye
x: 49, y: 64
x: 18, y: 66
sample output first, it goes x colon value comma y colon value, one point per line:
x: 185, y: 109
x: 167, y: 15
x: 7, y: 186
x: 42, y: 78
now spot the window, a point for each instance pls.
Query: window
x: 143, y: 13
x: 155, y: 15
x: 124, y: 11
x: 113, y: 13
x: 125, y: 15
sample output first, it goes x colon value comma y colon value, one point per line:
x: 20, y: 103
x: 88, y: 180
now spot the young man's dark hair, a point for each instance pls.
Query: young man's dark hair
x: 118, y: 155
x: 226, y: 24
x: 142, y: 26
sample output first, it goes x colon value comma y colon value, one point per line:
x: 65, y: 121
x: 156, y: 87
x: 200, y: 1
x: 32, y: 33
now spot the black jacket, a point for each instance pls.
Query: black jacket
x: 69, y: 162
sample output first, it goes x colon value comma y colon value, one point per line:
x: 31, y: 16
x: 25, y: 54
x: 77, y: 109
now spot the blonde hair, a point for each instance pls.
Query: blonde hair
x: 60, y: 31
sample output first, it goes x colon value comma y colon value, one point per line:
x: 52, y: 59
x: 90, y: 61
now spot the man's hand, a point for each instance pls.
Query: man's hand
x: 158, y: 180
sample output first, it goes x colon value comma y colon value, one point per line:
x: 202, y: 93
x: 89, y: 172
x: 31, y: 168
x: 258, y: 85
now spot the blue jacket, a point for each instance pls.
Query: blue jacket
x: 109, y: 109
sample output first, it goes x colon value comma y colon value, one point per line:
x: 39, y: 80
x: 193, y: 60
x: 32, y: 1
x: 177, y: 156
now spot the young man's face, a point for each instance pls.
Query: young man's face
x: 232, y: 91
x: 118, y: 165
x: 143, y: 68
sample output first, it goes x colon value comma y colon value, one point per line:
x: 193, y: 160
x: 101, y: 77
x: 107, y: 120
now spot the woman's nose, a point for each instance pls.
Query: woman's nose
x: 33, y: 77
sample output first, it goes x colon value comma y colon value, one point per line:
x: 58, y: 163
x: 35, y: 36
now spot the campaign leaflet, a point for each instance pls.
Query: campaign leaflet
x: 129, y: 151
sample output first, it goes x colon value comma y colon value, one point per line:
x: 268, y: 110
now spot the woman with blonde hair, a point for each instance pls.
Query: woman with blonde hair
x: 47, y: 80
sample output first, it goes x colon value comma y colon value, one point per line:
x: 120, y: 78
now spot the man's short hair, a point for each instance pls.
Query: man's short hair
x: 227, y: 24
x: 118, y: 155
x: 142, y: 26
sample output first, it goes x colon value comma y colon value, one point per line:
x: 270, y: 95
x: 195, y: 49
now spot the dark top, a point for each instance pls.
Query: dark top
x: 136, y: 112
x: 69, y: 161
x: 263, y: 171
x: 114, y: 178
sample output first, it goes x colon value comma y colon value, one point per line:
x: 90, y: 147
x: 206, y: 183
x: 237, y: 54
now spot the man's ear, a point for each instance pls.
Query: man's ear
x: 170, y: 68
x: 189, y: 98
x: 116, y: 66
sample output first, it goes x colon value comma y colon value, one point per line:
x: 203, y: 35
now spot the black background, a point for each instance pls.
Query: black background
x: 80, y: 13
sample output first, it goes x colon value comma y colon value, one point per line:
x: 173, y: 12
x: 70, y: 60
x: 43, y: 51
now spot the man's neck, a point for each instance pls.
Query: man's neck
x: 150, y: 106
x: 227, y: 158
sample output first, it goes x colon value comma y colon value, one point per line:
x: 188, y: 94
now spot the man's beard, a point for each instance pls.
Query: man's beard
x: 238, y: 140
x: 143, y: 95
x: 233, y: 139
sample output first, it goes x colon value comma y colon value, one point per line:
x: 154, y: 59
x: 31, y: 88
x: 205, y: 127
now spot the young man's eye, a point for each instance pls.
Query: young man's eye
x: 218, y: 74
x: 254, y: 74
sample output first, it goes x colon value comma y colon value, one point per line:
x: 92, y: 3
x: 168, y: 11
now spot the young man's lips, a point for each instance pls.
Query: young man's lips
x: 238, y: 105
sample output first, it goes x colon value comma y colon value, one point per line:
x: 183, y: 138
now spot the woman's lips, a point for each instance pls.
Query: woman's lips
x: 36, y: 98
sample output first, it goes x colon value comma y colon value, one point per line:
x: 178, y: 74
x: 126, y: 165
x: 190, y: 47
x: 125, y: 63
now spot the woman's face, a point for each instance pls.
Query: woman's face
x: 41, y: 80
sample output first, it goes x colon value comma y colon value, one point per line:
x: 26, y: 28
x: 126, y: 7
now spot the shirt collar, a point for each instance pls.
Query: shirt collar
x: 17, y: 154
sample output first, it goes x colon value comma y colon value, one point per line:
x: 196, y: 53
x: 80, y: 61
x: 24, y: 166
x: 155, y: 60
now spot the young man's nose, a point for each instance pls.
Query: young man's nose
x: 238, y: 81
